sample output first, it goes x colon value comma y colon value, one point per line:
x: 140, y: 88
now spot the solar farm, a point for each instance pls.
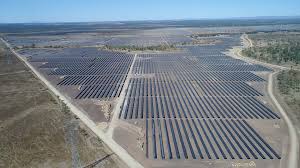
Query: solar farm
x: 196, y: 106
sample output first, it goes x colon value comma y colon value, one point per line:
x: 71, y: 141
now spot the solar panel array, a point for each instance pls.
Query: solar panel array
x: 150, y: 63
x: 196, y: 104
x: 182, y: 100
x: 205, y: 139
x: 101, y: 74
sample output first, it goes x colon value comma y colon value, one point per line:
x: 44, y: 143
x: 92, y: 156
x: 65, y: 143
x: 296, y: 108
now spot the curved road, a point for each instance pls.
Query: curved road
x: 294, y: 142
x: 244, y: 37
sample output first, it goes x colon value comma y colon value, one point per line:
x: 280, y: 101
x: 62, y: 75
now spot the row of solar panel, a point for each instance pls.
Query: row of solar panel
x: 205, y: 139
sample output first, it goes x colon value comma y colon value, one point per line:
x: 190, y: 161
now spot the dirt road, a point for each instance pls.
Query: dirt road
x: 294, y: 143
x: 121, y: 98
x: 115, y: 147
x: 248, y: 43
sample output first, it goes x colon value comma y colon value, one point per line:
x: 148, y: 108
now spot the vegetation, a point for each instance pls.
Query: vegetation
x: 278, y: 48
x: 199, y: 35
x: 34, y: 46
x: 141, y: 48
x: 289, y: 81
x: 277, y: 53
x: 202, y: 42
x: 281, y: 48
x: 204, y: 39
x: 53, y: 46
x: 289, y: 87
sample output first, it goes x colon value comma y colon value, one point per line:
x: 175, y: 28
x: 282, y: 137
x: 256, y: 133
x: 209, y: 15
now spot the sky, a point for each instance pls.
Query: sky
x: 28, y: 11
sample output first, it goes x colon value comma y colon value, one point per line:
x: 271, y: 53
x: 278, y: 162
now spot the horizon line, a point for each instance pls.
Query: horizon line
x: 157, y: 20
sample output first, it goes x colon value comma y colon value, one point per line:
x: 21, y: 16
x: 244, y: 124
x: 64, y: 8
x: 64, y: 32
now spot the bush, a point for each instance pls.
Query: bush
x: 141, y: 48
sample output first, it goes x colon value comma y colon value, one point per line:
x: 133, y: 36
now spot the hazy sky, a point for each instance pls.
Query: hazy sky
x: 111, y: 10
